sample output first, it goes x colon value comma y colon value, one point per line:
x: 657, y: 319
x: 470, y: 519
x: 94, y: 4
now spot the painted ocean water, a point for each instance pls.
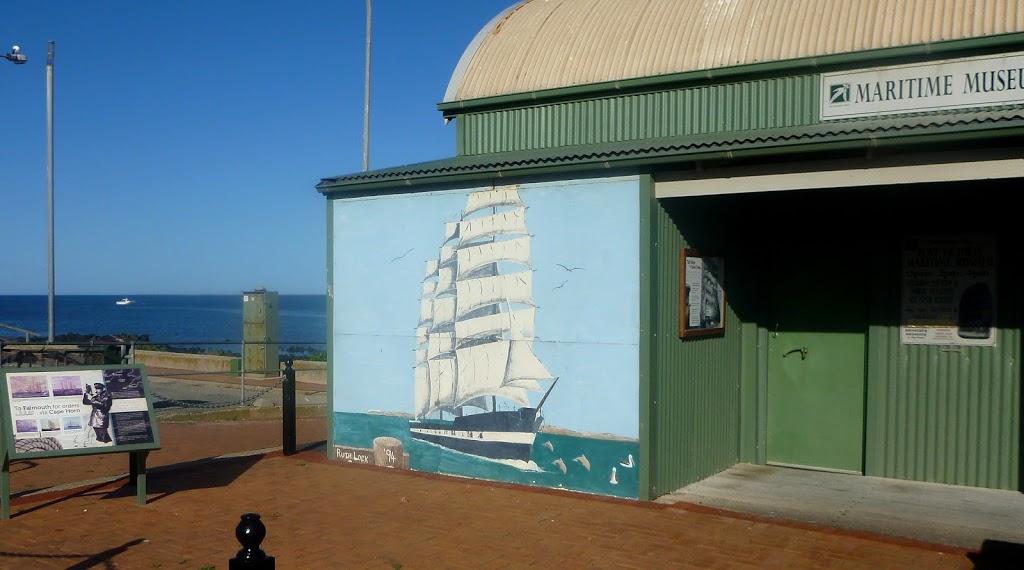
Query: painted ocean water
x: 589, y: 462
x: 165, y: 318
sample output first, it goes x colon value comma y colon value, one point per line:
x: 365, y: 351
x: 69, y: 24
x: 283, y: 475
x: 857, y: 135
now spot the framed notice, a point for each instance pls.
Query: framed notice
x: 701, y: 294
x: 949, y: 290
x: 49, y: 412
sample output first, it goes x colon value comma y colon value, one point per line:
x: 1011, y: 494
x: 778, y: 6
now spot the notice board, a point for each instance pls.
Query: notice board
x: 50, y: 412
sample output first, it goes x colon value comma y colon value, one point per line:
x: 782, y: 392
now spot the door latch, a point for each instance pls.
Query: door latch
x: 802, y: 351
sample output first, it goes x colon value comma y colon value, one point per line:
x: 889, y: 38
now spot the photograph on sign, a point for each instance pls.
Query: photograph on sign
x: 78, y: 409
x: 701, y: 295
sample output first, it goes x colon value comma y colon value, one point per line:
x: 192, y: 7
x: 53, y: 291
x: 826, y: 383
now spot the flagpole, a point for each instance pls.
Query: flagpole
x: 366, y: 92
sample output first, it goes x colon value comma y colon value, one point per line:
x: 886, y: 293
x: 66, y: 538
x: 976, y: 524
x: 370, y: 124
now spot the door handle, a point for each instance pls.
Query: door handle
x: 802, y: 351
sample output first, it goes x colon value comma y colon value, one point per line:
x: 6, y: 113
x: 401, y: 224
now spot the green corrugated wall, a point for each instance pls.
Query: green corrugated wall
x: 949, y: 414
x: 694, y: 384
x: 740, y: 106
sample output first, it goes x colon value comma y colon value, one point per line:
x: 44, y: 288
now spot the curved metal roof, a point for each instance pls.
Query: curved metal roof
x: 545, y: 44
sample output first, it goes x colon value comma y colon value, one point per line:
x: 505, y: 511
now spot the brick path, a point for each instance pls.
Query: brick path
x: 322, y: 514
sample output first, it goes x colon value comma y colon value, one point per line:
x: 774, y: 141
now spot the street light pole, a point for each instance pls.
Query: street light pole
x: 49, y: 180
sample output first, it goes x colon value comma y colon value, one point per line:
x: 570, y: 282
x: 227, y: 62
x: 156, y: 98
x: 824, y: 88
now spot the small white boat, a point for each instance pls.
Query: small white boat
x: 125, y: 301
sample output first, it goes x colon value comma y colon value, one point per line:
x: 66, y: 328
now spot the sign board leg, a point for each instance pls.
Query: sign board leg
x: 138, y: 473
x: 5, y: 488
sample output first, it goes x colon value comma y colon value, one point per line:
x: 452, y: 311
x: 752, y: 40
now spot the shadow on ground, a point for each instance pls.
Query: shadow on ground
x: 91, y: 560
x: 189, y: 476
x: 997, y: 554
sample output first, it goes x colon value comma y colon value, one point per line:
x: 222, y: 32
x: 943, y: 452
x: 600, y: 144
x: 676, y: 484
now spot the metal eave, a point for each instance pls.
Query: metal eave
x: 873, y: 57
x: 847, y: 135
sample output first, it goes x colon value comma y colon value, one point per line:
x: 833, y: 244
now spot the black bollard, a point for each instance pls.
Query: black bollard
x: 288, y: 408
x: 251, y: 532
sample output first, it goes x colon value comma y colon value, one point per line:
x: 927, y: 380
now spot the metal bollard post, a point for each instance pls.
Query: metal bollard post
x: 288, y: 408
x: 251, y: 532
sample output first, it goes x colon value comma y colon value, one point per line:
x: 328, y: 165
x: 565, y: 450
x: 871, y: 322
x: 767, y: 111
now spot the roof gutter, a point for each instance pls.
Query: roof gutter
x: 602, y: 162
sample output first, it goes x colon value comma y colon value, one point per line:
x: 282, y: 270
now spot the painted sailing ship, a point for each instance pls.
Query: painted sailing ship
x: 475, y: 365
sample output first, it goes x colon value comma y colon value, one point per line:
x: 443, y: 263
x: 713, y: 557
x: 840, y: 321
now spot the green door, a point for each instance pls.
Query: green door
x: 816, y: 361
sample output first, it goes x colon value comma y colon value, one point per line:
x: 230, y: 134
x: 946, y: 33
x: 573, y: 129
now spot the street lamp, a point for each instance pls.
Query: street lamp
x: 16, y: 56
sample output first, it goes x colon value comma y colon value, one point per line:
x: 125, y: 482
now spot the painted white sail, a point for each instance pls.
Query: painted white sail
x: 426, y: 311
x: 444, y: 312
x: 524, y: 368
x: 451, y: 231
x: 447, y: 255
x: 511, y: 222
x: 435, y: 389
x: 480, y: 403
x: 439, y: 344
x: 421, y: 336
x: 422, y: 398
x: 515, y: 250
x: 421, y: 356
x: 445, y: 278
x: 518, y: 324
x: 482, y: 373
x: 428, y: 289
x: 431, y: 269
x: 501, y: 196
x: 442, y: 376
x: 509, y: 288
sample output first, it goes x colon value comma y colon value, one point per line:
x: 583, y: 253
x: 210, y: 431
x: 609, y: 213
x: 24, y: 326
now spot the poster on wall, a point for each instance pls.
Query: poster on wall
x: 498, y: 338
x: 701, y: 294
x: 949, y: 290
x: 67, y: 411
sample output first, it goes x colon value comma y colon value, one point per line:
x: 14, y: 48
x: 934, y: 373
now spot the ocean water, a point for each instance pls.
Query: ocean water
x: 589, y: 462
x: 302, y: 319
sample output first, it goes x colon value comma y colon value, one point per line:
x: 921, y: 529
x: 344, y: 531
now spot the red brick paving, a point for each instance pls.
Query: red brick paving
x: 323, y: 514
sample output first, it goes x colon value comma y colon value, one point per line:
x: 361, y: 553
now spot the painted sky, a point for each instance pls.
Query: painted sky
x: 587, y: 319
x: 189, y: 135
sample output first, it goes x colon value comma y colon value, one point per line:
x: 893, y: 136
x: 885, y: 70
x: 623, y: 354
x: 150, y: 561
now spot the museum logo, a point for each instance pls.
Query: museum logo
x: 840, y: 94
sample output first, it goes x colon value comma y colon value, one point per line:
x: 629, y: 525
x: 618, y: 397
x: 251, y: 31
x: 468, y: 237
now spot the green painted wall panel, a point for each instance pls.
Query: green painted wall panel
x: 694, y: 384
x: 748, y: 105
x: 947, y: 414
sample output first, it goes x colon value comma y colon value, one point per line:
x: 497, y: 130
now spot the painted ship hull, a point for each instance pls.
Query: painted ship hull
x: 495, y: 435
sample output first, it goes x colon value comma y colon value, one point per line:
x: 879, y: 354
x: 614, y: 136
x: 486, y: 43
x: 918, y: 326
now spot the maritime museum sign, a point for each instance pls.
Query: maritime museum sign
x: 952, y: 84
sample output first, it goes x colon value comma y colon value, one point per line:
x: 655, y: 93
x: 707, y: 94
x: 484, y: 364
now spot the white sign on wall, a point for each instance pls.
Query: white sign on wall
x: 949, y: 290
x: 951, y: 84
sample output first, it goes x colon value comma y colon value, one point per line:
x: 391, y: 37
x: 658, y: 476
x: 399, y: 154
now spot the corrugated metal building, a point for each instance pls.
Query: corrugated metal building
x: 768, y: 232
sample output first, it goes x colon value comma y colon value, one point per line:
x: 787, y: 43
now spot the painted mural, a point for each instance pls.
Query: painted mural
x: 491, y: 333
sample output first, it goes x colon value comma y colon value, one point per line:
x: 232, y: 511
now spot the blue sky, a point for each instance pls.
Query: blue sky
x: 189, y: 135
